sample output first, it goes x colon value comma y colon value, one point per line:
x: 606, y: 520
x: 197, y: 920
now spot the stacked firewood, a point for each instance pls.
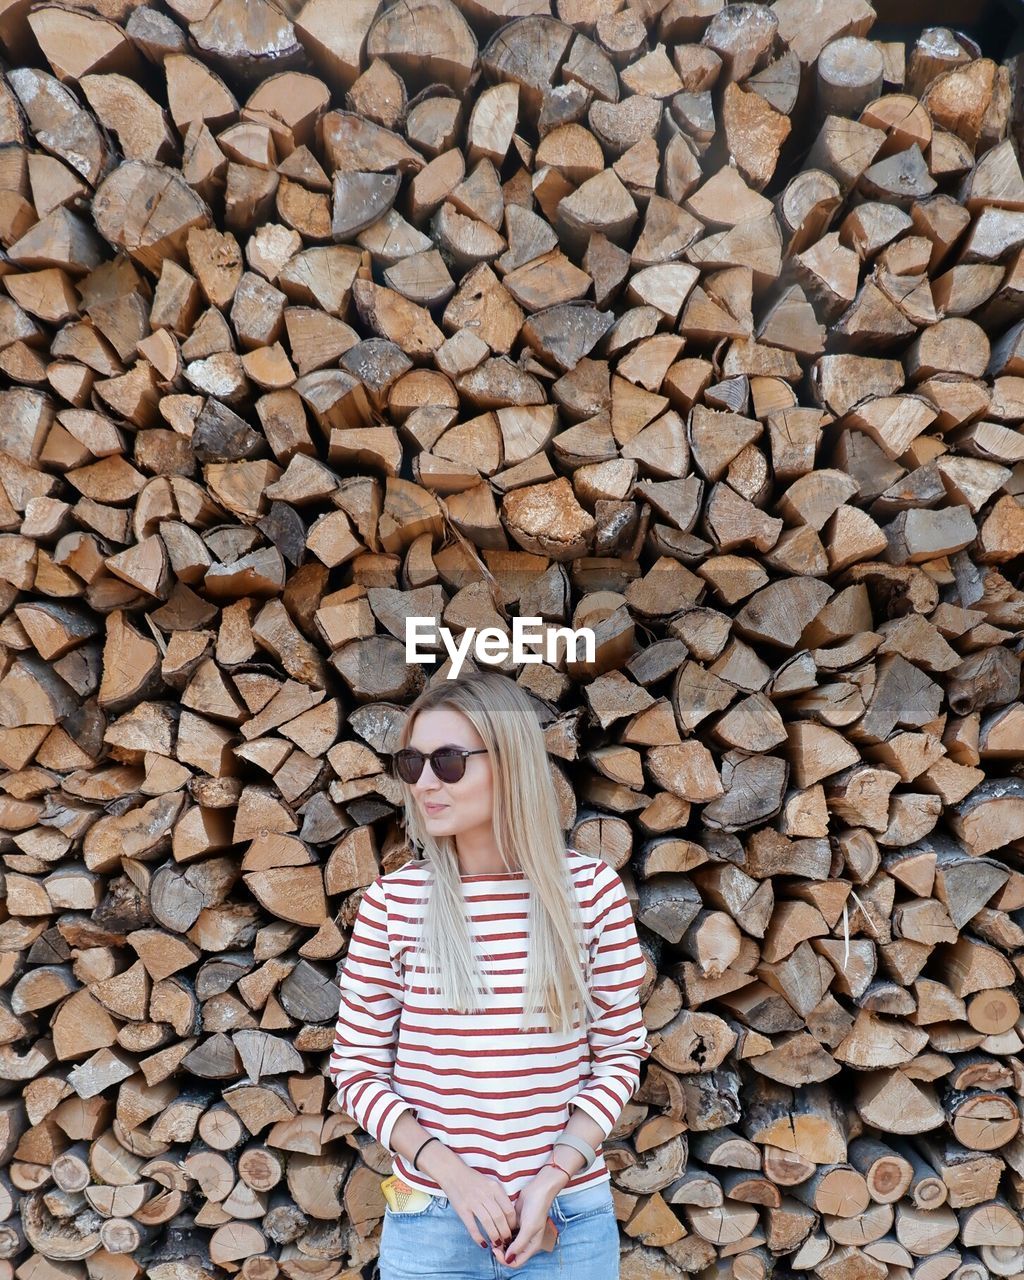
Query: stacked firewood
x: 701, y: 325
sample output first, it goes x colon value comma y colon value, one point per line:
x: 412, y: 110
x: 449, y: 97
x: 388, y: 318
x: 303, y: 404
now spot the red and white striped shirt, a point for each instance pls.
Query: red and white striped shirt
x: 497, y: 1095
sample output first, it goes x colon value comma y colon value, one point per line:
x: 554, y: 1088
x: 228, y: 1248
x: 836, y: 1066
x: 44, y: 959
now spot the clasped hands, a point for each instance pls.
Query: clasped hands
x: 514, y: 1231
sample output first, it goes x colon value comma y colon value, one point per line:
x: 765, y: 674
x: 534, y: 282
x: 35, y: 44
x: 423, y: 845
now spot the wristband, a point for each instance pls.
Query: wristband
x: 584, y: 1148
x: 432, y: 1138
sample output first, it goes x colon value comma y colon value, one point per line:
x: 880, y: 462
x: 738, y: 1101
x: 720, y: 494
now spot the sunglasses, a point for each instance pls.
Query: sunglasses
x: 448, y: 763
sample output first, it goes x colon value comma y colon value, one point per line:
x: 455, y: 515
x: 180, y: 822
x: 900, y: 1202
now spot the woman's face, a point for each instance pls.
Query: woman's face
x: 464, y: 806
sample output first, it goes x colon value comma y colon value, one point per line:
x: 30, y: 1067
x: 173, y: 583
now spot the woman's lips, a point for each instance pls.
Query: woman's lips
x: 434, y: 808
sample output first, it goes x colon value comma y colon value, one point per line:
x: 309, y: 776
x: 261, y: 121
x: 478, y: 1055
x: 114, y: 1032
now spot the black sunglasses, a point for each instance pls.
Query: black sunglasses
x: 448, y: 763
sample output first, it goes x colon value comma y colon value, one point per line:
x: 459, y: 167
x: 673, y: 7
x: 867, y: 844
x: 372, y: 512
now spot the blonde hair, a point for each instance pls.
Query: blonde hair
x: 528, y: 834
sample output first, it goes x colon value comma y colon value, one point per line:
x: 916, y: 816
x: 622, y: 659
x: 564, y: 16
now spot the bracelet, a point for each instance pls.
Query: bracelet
x: 584, y: 1148
x: 432, y: 1138
x: 551, y: 1160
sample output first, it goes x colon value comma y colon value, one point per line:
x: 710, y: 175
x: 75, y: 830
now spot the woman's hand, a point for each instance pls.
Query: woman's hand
x: 477, y: 1195
x: 533, y: 1206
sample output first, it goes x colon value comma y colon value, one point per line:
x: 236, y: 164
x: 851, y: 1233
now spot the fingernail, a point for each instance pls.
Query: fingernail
x: 510, y: 1259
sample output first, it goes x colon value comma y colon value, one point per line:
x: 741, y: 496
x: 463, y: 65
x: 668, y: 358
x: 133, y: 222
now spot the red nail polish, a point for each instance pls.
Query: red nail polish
x: 510, y: 1258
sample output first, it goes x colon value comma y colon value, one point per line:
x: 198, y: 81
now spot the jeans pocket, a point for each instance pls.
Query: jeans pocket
x: 431, y: 1205
x: 583, y: 1204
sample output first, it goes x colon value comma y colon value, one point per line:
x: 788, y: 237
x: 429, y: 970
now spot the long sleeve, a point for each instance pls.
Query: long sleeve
x: 366, y: 1033
x: 617, y: 1035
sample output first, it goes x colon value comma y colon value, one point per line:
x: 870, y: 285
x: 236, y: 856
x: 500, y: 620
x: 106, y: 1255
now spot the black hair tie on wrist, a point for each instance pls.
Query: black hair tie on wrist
x: 432, y: 1138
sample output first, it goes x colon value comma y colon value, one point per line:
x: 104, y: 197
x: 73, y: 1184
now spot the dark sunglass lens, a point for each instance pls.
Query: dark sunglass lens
x: 448, y: 765
x: 409, y: 765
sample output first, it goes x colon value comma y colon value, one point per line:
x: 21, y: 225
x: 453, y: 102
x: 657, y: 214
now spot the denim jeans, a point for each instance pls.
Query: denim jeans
x: 434, y: 1244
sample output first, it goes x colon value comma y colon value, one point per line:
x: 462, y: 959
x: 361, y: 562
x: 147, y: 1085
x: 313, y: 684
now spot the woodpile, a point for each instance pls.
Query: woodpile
x: 701, y: 325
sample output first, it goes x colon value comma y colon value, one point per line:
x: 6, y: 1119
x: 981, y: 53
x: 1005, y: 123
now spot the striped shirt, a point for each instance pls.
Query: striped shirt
x: 497, y: 1095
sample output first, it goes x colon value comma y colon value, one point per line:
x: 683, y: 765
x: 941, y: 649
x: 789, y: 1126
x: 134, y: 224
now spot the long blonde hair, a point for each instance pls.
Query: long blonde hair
x: 528, y: 834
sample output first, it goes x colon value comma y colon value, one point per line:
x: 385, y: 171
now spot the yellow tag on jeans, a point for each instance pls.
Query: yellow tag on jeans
x: 402, y: 1198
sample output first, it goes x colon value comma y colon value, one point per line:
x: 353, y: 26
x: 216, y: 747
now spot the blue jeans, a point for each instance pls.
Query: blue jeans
x: 434, y: 1244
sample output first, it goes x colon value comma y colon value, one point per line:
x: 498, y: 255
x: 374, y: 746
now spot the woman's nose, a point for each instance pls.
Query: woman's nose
x: 427, y: 781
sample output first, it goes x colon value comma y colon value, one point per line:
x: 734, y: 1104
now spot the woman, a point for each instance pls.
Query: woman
x: 460, y: 1045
